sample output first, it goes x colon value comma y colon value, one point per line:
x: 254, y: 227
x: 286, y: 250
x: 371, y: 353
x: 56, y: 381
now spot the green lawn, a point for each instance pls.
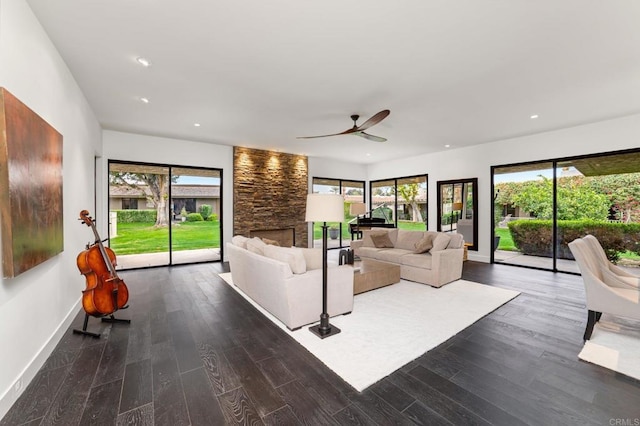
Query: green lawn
x: 506, y: 242
x: 136, y: 238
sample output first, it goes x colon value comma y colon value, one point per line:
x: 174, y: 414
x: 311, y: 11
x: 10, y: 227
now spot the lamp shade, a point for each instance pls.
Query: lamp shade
x: 356, y: 209
x: 325, y: 208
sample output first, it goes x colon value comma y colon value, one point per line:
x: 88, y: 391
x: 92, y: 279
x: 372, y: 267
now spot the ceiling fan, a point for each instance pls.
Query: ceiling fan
x: 359, y: 130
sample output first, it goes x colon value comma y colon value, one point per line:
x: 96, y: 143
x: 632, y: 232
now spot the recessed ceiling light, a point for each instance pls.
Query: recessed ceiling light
x: 368, y: 154
x: 144, y: 62
x: 534, y: 116
x: 144, y: 100
x: 196, y: 124
x: 447, y: 146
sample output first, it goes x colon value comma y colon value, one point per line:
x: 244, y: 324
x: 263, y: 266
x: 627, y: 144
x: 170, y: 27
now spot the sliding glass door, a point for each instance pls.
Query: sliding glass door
x: 196, y: 206
x: 540, y: 207
x: 523, y: 215
x: 163, y: 215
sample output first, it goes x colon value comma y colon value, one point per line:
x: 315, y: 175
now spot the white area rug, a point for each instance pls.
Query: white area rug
x: 615, y: 344
x: 394, y: 325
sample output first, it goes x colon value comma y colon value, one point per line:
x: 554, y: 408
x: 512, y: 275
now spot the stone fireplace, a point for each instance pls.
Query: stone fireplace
x: 269, y: 195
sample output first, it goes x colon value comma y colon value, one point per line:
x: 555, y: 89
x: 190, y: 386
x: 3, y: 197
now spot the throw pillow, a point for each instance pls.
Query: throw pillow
x: 381, y: 240
x: 240, y: 241
x: 271, y: 242
x: 256, y: 245
x: 440, y: 242
x: 292, y: 256
x: 366, y: 237
x: 425, y: 244
x: 613, y: 280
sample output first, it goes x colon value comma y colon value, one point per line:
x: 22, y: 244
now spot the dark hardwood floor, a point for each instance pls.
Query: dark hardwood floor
x: 197, y: 353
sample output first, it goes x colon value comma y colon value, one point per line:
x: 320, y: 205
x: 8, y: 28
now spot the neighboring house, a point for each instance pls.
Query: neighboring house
x: 191, y: 197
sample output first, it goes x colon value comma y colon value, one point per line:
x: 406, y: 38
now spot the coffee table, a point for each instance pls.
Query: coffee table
x: 370, y: 274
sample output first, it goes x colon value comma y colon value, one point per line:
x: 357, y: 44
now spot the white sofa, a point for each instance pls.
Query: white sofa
x: 293, y: 298
x: 436, y: 267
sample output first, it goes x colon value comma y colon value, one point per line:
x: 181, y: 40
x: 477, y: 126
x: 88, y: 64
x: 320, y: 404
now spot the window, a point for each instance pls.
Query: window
x: 129, y: 204
x: 401, y: 201
x: 353, y: 192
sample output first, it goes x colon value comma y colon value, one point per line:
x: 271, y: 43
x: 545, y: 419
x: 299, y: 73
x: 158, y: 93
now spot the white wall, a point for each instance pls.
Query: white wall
x: 476, y: 161
x: 152, y: 149
x: 37, y: 306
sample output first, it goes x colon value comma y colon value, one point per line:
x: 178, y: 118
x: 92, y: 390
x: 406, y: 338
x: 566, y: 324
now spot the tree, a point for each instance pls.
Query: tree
x: 410, y: 192
x: 623, y: 191
x: 155, y: 187
x: 575, y: 199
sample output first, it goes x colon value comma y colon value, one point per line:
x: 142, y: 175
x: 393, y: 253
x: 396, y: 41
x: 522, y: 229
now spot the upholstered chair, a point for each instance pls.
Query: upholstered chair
x: 604, y: 294
x: 598, y: 251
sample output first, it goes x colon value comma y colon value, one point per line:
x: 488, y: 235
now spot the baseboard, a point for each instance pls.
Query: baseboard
x: 24, y: 378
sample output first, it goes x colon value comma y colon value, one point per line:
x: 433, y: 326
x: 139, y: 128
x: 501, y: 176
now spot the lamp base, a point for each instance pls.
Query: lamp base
x: 324, y: 329
x: 321, y: 332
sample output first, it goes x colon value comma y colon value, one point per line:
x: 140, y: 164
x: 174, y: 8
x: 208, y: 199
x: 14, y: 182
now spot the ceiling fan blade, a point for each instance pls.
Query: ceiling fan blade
x: 346, y: 132
x: 371, y: 137
x: 375, y: 119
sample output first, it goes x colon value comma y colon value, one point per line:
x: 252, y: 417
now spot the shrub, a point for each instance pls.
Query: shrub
x: 533, y: 237
x: 194, y: 217
x: 212, y: 218
x: 205, y: 211
x: 132, y: 216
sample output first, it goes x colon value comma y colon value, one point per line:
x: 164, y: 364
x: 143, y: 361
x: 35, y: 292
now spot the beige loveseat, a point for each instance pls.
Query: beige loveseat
x: 436, y: 267
x: 287, y: 282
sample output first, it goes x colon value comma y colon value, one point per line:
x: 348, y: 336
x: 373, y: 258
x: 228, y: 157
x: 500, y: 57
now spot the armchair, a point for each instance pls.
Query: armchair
x: 598, y: 251
x: 602, y: 293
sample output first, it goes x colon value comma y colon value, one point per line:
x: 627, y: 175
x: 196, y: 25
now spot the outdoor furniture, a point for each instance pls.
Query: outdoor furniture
x: 603, y: 294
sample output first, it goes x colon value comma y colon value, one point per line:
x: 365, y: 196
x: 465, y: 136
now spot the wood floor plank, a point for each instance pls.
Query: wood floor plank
x: 436, y: 401
x: 468, y: 400
x: 137, y: 389
x: 238, y: 408
x: 36, y: 399
x: 221, y: 375
x: 256, y: 385
x: 204, y: 408
x: 141, y: 416
x: 102, y: 405
x: 169, y: 405
x: 283, y: 416
x: 69, y: 403
x: 305, y: 406
x: 114, y: 356
x: 184, y: 344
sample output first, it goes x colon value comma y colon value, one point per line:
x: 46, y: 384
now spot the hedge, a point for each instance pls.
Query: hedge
x: 194, y: 217
x: 533, y: 237
x: 131, y: 216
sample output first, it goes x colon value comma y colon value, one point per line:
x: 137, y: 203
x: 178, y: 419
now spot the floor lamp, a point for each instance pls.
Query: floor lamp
x: 324, y: 208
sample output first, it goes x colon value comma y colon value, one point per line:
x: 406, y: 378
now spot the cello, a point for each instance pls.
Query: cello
x: 105, y: 292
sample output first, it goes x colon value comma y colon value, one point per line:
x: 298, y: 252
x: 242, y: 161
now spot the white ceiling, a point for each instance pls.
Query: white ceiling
x: 259, y: 73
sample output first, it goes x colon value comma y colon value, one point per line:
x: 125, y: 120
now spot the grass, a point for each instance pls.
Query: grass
x: 136, y: 238
x: 506, y: 242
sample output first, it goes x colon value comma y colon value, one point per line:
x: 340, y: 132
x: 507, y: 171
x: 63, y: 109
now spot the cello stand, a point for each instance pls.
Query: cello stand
x: 111, y: 319
x: 116, y: 320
